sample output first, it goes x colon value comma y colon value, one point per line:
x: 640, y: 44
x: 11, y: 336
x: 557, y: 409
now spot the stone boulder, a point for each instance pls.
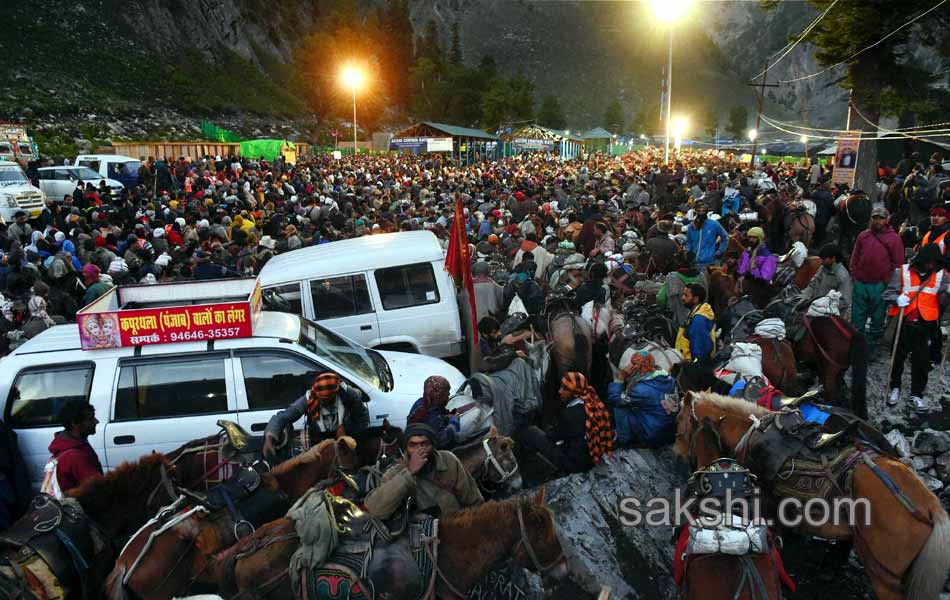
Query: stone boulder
x: 636, y: 561
x: 900, y: 443
x: 930, y: 441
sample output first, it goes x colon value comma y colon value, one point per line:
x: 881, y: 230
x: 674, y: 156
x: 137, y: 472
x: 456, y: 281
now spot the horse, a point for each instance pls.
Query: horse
x: 571, y: 345
x: 800, y: 224
x: 723, y: 291
x: 801, y: 276
x: 726, y: 577
x: 138, y: 570
x: 906, y: 546
x: 644, y: 331
x: 95, y: 517
x: 854, y: 214
x: 469, y: 544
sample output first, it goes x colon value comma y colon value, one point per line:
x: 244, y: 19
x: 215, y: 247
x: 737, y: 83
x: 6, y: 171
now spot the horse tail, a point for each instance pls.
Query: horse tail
x: 929, y: 570
x: 858, y: 359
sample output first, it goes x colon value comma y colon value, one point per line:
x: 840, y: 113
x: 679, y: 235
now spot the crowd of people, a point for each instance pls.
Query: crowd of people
x: 546, y: 224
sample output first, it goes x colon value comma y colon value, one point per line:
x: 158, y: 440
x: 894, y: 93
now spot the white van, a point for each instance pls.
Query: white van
x: 157, y: 397
x: 124, y: 169
x: 387, y: 291
x: 17, y: 193
x: 57, y: 182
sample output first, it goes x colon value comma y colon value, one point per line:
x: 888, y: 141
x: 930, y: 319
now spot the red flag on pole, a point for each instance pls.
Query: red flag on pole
x: 458, y: 260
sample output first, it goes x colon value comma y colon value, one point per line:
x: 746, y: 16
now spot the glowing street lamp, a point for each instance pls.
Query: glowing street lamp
x: 753, y: 134
x: 353, y: 78
x: 804, y: 141
x: 669, y: 11
x: 679, y: 130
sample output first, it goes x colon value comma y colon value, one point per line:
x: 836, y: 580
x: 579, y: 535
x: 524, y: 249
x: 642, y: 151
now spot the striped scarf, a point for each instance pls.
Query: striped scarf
x: 325, y: 387
x: 600, y: 431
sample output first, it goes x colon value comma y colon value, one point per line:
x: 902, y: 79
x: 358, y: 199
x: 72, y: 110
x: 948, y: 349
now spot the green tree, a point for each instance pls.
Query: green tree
x: 507, y: 100
x: 738, y: 122
x: 647, y: 121
x: 710, y: 121
x: 488, y: 68
x: 613, y: 117
x: 430, y: 44
x: 395, y: 45
x: 550, y: 114
x: 455, y: 54
x: 885, y: 79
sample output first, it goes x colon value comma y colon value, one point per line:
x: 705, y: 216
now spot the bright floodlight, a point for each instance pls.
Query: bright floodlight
x: 753, y: 134
x: 803, y: 139
x: 351, y: 77
x: 669, y: 10
x: 643, y: 136
x: 679, y: 126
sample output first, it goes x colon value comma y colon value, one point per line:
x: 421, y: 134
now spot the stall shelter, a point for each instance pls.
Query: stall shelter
x: 138, y: 315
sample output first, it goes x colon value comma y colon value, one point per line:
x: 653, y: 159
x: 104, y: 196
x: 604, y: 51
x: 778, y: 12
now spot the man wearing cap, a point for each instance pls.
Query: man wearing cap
x: 20, y: 230
x: 830, y: 276
x: 878, y: 252
x: 705, y: 238
x: 937, y: 234
x: 331, y: 408
x: 435, y: 480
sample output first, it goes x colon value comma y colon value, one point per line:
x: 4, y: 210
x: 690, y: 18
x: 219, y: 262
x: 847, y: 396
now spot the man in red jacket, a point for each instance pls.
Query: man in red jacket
x: 76, y: 460
x: 877, y: 253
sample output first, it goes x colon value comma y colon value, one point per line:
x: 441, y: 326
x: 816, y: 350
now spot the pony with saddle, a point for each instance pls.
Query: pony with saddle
x: 65, y: 548
x: 808, y: 451
x: 727, y: 556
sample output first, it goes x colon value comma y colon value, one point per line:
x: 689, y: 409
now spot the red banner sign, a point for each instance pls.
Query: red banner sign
x: 203, y: 322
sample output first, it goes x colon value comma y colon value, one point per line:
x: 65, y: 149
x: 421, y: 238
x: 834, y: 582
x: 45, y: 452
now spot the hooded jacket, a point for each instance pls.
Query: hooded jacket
x: 639, y: 414
x: 707, y: 242
x: 76, y: 461
x: 696, y: 337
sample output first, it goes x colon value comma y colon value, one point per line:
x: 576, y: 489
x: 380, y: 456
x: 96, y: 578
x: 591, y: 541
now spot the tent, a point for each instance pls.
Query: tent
x: 269, y: 149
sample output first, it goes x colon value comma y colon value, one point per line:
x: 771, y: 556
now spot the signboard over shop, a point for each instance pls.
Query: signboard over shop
x: 422, y: 144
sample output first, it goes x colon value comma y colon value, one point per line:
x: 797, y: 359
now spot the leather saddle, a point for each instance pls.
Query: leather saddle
x: 241, y: 440
x: 244, y: 499
x: 58, y: 532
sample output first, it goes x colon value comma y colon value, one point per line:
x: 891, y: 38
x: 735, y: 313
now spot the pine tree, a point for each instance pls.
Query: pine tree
x: 550, y: 114
x: 455, y: 55
x: 738, y: 122
x: 613, y: 117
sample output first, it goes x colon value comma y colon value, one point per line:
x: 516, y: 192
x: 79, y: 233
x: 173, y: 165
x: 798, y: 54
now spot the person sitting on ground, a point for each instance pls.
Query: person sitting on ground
x: 643, y: 413
x: 332, y: 408
x: 685, y: 272
x: 584, y: 433
x: 76, y: 460
x: 696, y: 339
x: 430, y: 409
x: 831, y: 276
x: 434, y: 479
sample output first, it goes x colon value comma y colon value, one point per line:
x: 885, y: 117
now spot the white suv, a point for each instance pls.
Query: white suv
x: 157, y: 397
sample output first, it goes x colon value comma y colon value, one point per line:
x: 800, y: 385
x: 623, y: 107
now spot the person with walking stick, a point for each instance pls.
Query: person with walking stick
x: 916, y: 290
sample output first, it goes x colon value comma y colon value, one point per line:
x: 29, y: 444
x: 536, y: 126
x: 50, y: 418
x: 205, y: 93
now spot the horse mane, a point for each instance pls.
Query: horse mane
x: 310, y: 456
x: 100, y: 495
x: 476, y: 442
x: 736, y: 407
x: 493, y: 511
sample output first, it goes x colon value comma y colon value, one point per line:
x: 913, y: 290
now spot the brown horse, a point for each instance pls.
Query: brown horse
x: 723, y: 289
x: 778, y: 364
x: 904, y: 556
x: 469, y: 544
x: 112, y: 507
x: 147, y: 562
x: 726, y: 577
x: 831, y: 345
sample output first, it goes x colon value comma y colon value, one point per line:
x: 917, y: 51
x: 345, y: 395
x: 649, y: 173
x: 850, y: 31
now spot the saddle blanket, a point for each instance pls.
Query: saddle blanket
x: 735, y: 538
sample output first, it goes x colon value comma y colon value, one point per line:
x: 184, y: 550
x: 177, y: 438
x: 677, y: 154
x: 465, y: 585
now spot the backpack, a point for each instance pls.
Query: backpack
x: 51, y: 480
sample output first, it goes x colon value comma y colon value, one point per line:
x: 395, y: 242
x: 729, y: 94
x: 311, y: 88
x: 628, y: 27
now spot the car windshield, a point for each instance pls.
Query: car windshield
x: 358, y: 360
x: 12, y: 175
x: 85, y: 173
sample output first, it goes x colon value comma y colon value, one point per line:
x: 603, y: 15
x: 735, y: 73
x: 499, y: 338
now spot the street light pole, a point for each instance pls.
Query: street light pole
x: 669, y: 99
x: 354, y: 119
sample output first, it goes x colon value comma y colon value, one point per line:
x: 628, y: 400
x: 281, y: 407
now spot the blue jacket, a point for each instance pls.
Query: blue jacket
x: 639, y: 414
x: 700, y: 341
x: 730, y: 204
x: 703, y: 242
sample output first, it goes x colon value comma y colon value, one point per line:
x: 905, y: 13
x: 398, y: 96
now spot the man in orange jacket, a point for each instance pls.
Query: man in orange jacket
x: 916, y: 289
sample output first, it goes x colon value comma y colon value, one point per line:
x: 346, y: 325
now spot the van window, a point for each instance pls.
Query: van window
x: 274, y: 380
x: 340, y: 297
x: 38, y: 394
x: 291, y: 293
x: 171, y: 389
x: 409, y: 285
x: 92, y: 164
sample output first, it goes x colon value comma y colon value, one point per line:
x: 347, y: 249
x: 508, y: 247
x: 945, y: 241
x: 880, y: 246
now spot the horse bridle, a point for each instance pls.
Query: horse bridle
x: 491, y: 462
x: 541, y: 569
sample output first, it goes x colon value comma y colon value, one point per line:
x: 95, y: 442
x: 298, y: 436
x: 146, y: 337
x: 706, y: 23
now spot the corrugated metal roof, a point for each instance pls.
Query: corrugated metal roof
x: 597, y: 133
x: 455, y: 130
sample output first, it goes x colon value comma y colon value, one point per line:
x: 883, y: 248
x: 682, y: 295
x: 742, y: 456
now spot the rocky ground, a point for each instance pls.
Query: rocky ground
x: 636, y: 562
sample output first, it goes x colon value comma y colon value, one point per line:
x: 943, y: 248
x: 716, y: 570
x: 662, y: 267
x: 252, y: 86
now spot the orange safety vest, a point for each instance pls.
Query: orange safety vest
x: 923, y: 295
x: 939, y: 241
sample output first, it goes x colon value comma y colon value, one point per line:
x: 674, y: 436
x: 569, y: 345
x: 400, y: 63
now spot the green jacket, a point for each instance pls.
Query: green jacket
x: 448, y: 486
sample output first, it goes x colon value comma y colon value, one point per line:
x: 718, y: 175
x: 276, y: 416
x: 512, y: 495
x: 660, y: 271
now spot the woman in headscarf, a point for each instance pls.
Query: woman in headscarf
x: 430, y: 409
x: 39, y: 320
x: 643, y: 400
